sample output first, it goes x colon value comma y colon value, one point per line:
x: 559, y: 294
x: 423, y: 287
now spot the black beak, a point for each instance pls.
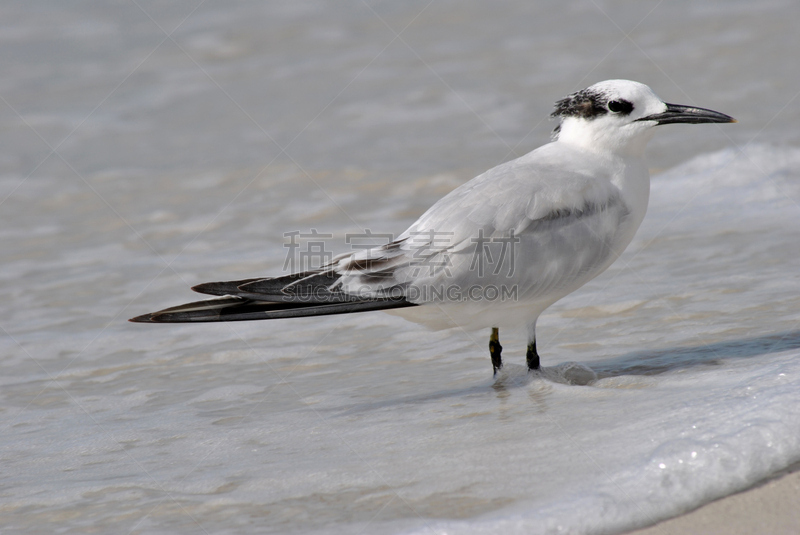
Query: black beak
x: 688, y: 114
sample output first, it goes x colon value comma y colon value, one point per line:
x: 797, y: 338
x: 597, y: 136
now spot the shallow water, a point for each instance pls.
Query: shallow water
x: 178, y: 162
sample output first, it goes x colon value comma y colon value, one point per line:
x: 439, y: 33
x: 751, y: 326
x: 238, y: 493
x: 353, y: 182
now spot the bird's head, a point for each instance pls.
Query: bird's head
x: 619, y: 116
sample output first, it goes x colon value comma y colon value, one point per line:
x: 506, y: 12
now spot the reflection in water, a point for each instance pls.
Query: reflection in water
x: 647, y: 363
x: 678, y: 358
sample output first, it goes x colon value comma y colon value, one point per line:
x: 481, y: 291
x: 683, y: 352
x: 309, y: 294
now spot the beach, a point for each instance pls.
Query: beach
x: 146, y: 148
x: 767, y: 508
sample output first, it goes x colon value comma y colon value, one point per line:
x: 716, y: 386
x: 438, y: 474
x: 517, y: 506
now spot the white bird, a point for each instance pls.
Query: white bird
x: 499, y: 249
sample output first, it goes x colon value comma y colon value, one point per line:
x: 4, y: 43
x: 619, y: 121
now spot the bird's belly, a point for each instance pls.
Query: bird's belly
x: 471, y: 315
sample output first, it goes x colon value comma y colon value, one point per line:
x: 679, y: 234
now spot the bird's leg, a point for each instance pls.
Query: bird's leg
x: 531, y: 356
x: 495, y: 349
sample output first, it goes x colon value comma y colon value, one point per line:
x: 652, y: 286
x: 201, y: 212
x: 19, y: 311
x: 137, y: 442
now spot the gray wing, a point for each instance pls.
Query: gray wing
x: 529, y: 223
x: 297, y: 295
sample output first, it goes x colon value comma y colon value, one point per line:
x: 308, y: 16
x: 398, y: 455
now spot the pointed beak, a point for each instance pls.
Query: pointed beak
x: 688, y: 114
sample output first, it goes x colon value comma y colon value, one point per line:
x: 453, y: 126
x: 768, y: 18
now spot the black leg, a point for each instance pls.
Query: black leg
x: 495, y: 349
x: 532, y: 356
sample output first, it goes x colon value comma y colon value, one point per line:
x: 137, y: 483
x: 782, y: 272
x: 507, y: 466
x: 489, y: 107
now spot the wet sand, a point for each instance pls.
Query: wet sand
x: 772, y: 507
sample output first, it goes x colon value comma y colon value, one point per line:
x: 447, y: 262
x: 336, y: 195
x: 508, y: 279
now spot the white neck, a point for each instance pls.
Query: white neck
x: 623, y: 158
x: 596, y: 135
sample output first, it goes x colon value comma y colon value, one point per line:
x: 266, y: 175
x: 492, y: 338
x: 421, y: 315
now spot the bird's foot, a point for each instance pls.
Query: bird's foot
x: 495, y: 350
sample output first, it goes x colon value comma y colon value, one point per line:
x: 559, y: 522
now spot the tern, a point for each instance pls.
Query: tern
x: 499, y: 249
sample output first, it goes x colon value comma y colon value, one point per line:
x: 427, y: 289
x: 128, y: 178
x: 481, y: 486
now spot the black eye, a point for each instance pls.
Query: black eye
x: 620, y: 106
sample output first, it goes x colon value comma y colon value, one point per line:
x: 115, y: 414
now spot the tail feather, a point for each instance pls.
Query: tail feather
x: 221, y: 288
x: 305, y: 287
x: 298, y: 283
x: 264, y: 285
x: 232, y: 308
x: 308, y: 293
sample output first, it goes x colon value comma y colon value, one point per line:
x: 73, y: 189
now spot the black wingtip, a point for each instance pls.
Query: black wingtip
x: 208, y: 288
x: 144, y: 318
x: 221, y: 288
x: 204, y: 288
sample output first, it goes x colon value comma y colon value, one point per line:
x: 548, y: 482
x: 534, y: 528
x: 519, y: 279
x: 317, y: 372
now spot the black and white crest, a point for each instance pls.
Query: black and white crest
x: 588, y: 104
